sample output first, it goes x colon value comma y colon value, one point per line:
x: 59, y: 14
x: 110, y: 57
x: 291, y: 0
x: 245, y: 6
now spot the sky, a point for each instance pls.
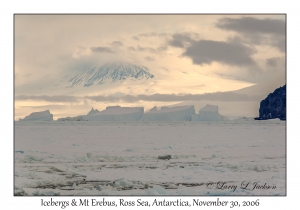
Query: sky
x: 190, y: 56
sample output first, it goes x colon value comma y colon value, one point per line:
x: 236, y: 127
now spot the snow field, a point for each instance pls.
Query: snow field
x: 115, y: 158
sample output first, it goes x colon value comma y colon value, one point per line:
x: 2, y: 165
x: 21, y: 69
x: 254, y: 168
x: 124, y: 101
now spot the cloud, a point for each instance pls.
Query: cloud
x: 219, y: 96
x: 149, y: 58
x: 182, y: 40
x: 276, y: 62
x: 57, y: 98
x: 117, y: 43
x: 272, y: 62
x: 258, y: 31
x: 27, y: 75
x: 59, y: 43
x: 280, y: 43
x: 131, y: 48
x: 153, y: 34
x: 58, y: 107
x: 148, y: 49
x: 148, y: 34
x: 45, y: 107
x: 102, y: 50
x: 253, y: 25
x: 231, y: 53
x: 135, y: 38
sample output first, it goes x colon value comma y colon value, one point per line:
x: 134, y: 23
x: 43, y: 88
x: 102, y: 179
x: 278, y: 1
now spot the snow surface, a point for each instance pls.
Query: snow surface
x: 78, y: 118
x: 168, y: 114
x: 117, y: 158
x: 39, y: 116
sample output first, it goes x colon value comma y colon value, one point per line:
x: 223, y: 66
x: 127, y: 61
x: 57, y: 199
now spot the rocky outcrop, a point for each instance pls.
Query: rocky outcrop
x: 274, y: 106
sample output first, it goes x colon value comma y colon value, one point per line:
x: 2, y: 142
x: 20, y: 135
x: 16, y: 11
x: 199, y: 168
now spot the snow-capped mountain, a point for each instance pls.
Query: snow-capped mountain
x: 113, y: 72
x: 129, y: 79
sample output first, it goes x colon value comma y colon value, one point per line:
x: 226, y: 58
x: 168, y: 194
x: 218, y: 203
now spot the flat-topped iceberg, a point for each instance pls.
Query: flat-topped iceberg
x: 178, y: 113
x: 209, y: 113
x: 116, y: 113
x: 39, y: 116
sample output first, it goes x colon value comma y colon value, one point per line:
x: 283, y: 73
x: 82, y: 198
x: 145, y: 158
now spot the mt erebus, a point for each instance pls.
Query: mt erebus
x: 110, y: 72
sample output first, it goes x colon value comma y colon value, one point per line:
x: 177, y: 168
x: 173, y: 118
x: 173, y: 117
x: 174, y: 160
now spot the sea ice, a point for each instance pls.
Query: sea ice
x: 120, y: 158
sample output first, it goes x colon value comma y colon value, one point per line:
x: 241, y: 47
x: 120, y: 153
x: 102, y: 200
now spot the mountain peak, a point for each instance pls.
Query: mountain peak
x: 109, y: 72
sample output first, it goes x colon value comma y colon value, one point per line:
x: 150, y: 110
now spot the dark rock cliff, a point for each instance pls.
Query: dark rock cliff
x: 274, y: 106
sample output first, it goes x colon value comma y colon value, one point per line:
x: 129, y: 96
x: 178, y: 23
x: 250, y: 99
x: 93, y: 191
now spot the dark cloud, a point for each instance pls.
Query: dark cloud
x: 219, y: 96
x: 149, y: 58
x: 257, y: 31
x: 231, y: 53
x: 181, y: 40
x: 117, y: 43
x: 276, y: 62
x: 280, y: 43
x: 59, y: 98
x: 102, y: 50
x: 253, y: 25
x: 272, y: 62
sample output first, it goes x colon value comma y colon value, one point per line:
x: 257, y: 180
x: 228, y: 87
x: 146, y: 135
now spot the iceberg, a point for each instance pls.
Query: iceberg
x: 116, y: 113
x: 178, y: 113
x: 209, y: 113
x: 93, y: 111
x: 39, y: 116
